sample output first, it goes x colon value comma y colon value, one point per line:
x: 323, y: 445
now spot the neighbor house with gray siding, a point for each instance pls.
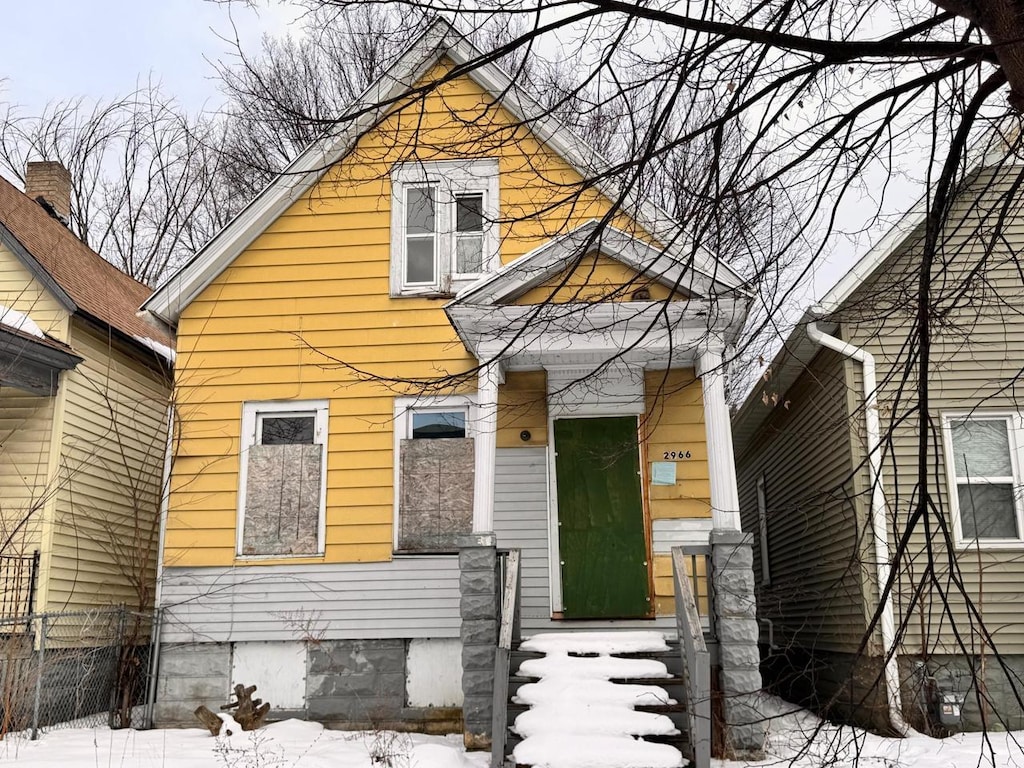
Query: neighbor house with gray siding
x: 827, y: 450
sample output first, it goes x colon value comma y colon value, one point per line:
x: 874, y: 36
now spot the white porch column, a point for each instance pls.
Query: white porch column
x: 725, y: 502
x: 485, y: 435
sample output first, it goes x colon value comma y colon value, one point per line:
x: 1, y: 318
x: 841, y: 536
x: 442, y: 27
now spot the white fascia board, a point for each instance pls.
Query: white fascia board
x: 438, y: 40
x: 993, y: 149
x: 296, y: 179
x: 587, y: 162
x: 550, y: 259
x: 649, y: 331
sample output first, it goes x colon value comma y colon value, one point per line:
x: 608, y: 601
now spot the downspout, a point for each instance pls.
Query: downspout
x: 878, y: 512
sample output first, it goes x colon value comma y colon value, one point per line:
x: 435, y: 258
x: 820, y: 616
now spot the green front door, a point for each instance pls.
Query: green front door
x: 601, y: 542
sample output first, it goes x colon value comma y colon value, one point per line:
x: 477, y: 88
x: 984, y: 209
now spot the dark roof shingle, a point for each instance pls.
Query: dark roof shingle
x: 98, y: 287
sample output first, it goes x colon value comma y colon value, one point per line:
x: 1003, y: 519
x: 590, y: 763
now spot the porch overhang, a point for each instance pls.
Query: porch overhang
x: 649, y: 334
x: 32, y: 364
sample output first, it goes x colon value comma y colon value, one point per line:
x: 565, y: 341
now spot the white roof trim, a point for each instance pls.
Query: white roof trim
x: 552, y: 257
x: 440, y: 39
x: 981, y: 155
x: 798, y: 350
x: 649, y: 333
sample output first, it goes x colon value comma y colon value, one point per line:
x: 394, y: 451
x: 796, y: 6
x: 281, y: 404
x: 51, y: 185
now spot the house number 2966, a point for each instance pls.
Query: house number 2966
x: 678, y: 455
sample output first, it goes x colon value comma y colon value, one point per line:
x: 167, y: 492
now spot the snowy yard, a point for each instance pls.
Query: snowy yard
x: 306, y: 745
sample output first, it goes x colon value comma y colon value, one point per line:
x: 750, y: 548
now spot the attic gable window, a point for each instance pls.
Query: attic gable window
x: 444, y: 230
x: 984, y: 467
x: 282, y: 479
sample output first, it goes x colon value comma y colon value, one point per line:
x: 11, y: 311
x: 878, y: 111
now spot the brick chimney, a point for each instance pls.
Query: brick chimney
x: 51, y: 181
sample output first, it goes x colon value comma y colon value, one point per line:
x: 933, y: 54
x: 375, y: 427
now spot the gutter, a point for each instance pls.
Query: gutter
x: 878, y: 511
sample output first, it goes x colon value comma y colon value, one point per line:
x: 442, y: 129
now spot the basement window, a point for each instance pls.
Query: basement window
x: 436, y: 459
x: 282, y: 479
x: 984, y: 475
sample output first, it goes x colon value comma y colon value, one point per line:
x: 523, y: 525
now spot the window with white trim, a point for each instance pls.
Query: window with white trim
x: 444, y: 231
x: 983, y: 464
x: 282, y: 478
x: 435, y: 475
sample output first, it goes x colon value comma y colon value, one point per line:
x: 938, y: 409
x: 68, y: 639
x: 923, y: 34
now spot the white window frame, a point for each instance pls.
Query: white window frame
x: 449, y: 178
x: 252, y: 411
x: 405, y: 407
x: 1015, y: 438
x: 762, y: 531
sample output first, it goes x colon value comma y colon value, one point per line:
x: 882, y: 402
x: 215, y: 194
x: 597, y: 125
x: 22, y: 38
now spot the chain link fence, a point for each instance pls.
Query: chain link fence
x: 75, y: 669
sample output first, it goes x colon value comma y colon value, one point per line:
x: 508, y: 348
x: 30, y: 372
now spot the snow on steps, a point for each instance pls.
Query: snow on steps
x: 578, y: 717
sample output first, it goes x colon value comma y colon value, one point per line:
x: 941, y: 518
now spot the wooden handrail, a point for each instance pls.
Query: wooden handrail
x: 508, y: 633
x: 696, y: 663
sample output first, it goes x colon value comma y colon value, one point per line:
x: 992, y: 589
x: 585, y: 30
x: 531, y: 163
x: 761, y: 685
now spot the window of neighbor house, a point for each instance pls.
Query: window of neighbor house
x: 436, y: 474
x: 443, y: 225
x: 282, y: 478
x: 984, y: 472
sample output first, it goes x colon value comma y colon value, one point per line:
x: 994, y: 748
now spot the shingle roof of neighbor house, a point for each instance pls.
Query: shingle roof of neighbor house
x: 93, y: 285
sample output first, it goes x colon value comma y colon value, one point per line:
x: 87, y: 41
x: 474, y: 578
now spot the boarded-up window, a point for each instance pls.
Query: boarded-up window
x: 282, y: 500
x: 284, y: 479
x: 436, y: 486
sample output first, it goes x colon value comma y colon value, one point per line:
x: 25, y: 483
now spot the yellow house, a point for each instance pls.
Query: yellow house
x: 428, y: 336
x: 84, y: 390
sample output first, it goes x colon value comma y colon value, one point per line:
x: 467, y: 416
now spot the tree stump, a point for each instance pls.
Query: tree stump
x: 249, y: 712
x: 209, y: 719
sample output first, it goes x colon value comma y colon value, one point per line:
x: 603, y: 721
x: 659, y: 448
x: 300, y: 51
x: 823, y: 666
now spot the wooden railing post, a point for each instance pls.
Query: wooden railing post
x: 696, y: 663
x: 508, y: 633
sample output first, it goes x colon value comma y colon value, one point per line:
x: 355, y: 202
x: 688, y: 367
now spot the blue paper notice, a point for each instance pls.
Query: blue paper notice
x: 663, y: 473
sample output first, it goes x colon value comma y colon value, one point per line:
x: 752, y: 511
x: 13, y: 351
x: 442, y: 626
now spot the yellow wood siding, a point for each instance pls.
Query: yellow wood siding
x: 106, y: 517
x: 674, y: 421
x: 318, y: 279
x: 21, y: 291
x: 26, y: 423
x: 522, y: 405
x: 665, y: 586
x: 596, y: 278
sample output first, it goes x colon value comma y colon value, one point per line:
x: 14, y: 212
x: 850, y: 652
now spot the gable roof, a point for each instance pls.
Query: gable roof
x: 439, y: 40
x: 798, y: 350
x: 552, y: 258
x: 80, y: 279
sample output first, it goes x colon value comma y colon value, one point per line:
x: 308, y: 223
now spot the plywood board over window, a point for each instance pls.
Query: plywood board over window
x: 282, y: 501
x: 282, y: 479
x: 436, y: 493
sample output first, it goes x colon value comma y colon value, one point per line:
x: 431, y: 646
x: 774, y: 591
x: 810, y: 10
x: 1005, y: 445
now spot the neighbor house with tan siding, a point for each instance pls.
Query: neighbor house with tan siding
x: 827, y: 453
x: 429, y: 332
x: 84, y: 394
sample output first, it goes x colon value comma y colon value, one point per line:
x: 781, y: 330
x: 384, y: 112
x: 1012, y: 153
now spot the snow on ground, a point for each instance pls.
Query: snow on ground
x: 798, y: 739
x: 795, y: 738
x: 289, y: 744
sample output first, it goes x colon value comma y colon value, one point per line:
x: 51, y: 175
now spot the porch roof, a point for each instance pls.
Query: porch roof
x: 33, y: 364
x: 656, y: 334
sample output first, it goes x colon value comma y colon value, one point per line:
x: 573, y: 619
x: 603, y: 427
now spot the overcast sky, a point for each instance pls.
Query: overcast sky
x: 102, y: 48
x: 99, y: 49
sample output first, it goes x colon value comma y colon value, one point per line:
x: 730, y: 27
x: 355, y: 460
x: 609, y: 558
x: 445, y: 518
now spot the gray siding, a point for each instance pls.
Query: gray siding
x: 408, y: 597
x: 977, y: 355
x: 521, y: 522
x: 814, y: 510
